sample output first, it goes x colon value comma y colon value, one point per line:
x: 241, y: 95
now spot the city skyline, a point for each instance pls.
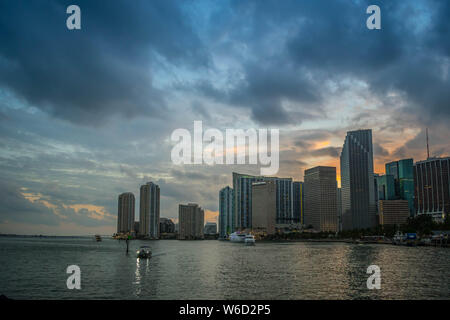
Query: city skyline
x: 84, y: 120
x: 215, y: 217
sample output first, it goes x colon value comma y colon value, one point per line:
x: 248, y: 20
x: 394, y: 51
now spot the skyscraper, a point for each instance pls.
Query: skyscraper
x: 298, y: 196
x: 392, y: 169
x: 321, y: 198
x: 242, y: 187
x: 357, y: 181
x: 403, y: 172
x: 190, y: 221
x: 432, y: 187
x: 386, y: 187
x: 393, y: 212
x: 125, y: 215
x: 149, y: 211
x: 226, y: 211
x: 264, y: 207
x: 339, y: 209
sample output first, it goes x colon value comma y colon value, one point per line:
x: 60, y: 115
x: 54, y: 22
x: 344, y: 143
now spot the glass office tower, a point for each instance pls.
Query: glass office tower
x: 386, y: 187
x: 357, y: 181
x: 403, y: 172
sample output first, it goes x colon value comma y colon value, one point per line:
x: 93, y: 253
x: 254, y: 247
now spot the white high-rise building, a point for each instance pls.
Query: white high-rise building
x: 149, y: 211
x: 125, y: 213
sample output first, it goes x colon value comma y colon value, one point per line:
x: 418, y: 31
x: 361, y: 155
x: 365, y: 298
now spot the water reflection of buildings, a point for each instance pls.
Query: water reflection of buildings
x: 357, y: 259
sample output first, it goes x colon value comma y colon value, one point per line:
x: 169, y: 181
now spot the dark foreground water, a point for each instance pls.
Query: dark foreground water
x: 35, y: 268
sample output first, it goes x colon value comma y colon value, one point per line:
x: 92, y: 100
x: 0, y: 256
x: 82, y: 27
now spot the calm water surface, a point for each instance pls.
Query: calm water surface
x: 35, y: 268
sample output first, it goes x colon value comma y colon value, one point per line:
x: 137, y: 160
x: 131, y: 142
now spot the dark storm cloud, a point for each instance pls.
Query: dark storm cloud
x: 378, y: 150
x: 294, y: 48
x: 23, y: 206
x: 328, y: 151
x: 199, y: 109
x: 128, y: 172
x: 267, y: 86
x: 16, y: 208
x: 191, y: 175
x: 284, y: 55
x: 293, y: 163
x: 305, y: 139
x: 105, y: 68
x: 302, y: 144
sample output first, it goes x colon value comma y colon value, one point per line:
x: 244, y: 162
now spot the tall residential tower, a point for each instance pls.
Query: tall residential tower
x: 149, y: 211
x: 125, y: 214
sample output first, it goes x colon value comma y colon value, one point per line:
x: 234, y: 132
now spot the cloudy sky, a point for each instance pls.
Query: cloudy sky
x: 87, y: 114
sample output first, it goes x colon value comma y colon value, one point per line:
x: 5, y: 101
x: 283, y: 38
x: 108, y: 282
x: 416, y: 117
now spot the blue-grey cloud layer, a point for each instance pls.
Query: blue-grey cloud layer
x: 106, y: 67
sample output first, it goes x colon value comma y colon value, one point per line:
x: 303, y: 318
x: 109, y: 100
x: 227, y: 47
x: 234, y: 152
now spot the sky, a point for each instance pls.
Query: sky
x: 87, y: 114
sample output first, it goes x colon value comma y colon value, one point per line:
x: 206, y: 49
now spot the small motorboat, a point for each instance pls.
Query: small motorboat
x: 144, y: 252
x: 249, y: 240
x: 98, y: 238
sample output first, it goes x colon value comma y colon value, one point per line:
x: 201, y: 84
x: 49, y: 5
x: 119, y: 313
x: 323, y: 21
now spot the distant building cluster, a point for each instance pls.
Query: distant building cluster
x: 151, y: 226
x: 364, y: 200
x: 148, y: 225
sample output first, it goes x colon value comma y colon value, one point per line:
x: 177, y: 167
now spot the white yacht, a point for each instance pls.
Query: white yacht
x: 249, y: 240
x: 237, y: 237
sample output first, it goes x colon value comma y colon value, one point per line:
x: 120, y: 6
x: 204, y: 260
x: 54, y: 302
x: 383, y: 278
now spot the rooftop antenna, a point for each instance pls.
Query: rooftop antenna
x: 428, y: 147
